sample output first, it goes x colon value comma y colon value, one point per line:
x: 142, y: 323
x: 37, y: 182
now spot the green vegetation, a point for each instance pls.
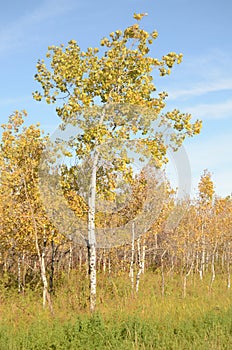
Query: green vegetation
x: 202, y: 320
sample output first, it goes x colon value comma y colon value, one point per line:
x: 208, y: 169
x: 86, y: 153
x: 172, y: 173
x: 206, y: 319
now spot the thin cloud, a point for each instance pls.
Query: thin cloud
x: 203, y: 74
x: 201, y: 89
x: 17, y: 32
x: 50, y: 9
x: 213, y: 111
x: 13, y: 101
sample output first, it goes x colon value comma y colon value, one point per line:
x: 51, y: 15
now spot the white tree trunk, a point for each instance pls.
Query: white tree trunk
x: 19, y: 274
x: 203, y: 256
x: 109, y: 265
x: 80, y: 258
x: 213, y: 275
x: 228, y: 266
x: 92, y: 276
x: 70, y: 260
x: 104, y: 261
x: 44, y: 278
x: 143, y: 255
x: 91, y: 233
x: 140, y: 266
x: 131, y: 274
x: 41, y: 256
x: 52, y: 267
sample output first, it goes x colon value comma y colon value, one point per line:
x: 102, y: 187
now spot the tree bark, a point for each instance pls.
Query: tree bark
x: 19, y: 274
x: 92, y: 258
x: 46, y: 296
x: 70, y: 258
x: 228, y: 265
x: 51, y: 279
x: 140, y: 266
x: 41, y: 255
x: 131, y: 274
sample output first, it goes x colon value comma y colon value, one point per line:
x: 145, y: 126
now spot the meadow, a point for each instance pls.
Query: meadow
x: 123, y: 319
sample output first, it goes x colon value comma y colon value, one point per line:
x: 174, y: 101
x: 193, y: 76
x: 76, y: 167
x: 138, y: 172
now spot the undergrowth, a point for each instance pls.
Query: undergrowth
x: 123, y: 320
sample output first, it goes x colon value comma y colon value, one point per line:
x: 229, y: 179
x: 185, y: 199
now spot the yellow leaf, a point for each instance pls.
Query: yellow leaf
x: 139, y: 16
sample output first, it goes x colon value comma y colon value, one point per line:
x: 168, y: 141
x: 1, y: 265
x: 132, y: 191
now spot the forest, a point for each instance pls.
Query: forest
x: 152, y: 273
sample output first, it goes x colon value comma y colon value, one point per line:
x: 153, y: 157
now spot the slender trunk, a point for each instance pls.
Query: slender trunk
x: 46, y: 294
x: 131, y: 274
x: 92, y: 258
x: 140, y: 265
x: 5, y: 265
x: 197, y: 259
x: 23, y: 272
x: 213, y: 275
x: 51, y: 280
x: 207, y: 258
x: 70, y: 260
x: 228, y: 266
x: 43, y: 275
x: 156, y: 248
x: 92, y: 275
x: 212, y: 270
x: 109, y: 265
x: 202, y: 267
x: 80, y: 258
x: 162, y: 273
x: 19, y: 274
x: 104, y: 261
x: 141, y: 261
x: 143, y: 255
x: 41, y: 255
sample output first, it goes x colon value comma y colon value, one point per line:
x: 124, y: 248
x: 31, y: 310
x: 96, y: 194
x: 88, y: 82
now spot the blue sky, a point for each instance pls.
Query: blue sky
x: 201, y: 85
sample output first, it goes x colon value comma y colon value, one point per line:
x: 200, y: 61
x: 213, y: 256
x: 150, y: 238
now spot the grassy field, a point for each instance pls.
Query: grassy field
x: 148, y: 320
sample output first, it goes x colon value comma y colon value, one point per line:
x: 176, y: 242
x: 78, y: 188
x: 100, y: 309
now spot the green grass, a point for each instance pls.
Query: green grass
x: 203, y: 320
x: 213, y: 331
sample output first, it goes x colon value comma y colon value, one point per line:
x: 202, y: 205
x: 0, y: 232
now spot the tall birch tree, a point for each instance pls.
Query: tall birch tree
x: 108, y: 93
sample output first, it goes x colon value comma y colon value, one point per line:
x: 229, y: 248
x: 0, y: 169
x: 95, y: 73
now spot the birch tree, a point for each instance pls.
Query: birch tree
x: 25, y: 226
x: 206, y: 193
x: 109, y: 94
